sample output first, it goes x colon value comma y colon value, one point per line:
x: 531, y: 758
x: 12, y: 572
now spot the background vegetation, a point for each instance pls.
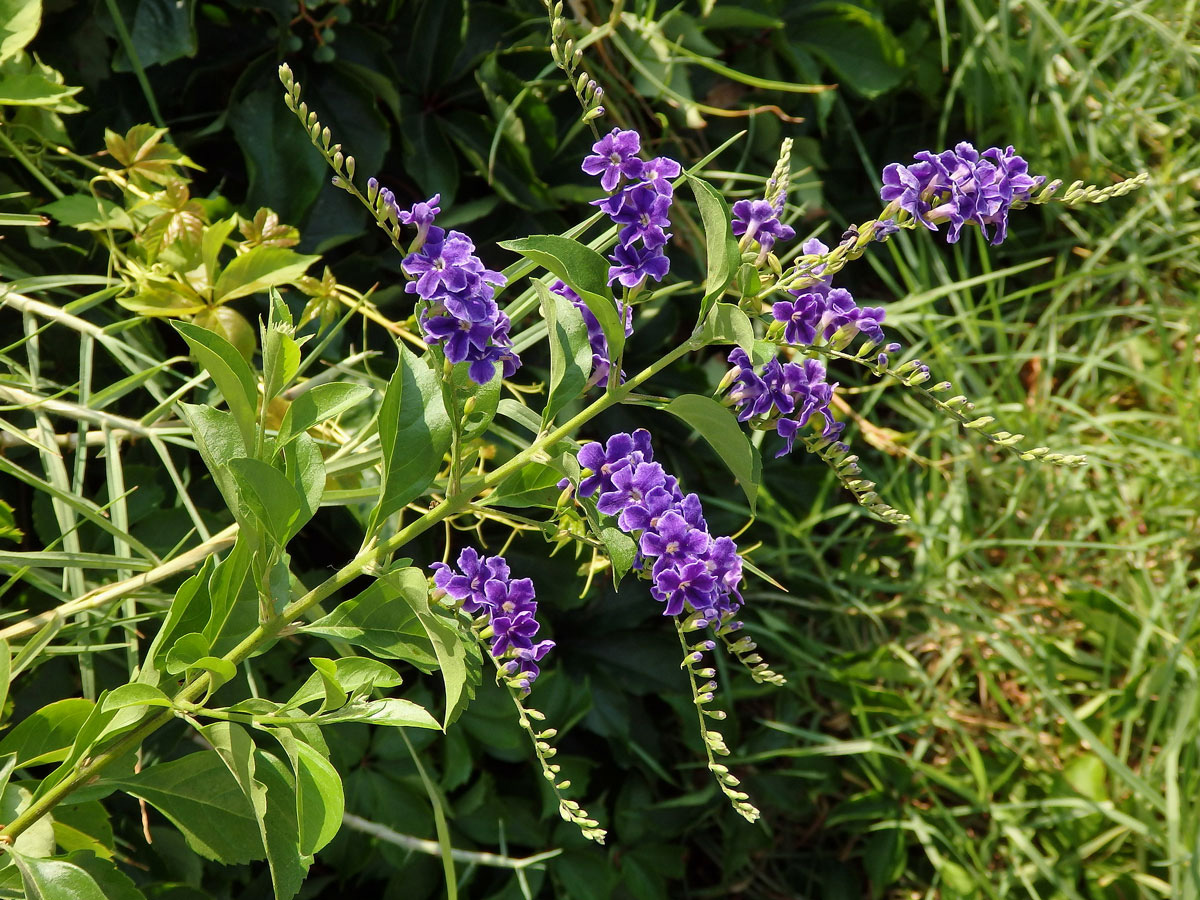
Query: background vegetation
x: 999, y: 699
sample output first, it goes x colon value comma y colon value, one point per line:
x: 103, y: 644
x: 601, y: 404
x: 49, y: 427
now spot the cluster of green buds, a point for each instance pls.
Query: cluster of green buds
x: 569, y: 59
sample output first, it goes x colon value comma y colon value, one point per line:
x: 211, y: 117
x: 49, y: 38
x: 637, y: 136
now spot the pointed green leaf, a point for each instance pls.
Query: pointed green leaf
x: 236, y: 749
x: 378, y: 621
x: 718, y: 425
x: 273, y: 501
x: 204, y: 801
x: 721, y: 247
x: 19, y: 22
x: 457, y: 653
x: 414, y: 431
x: 393, y: 711
x: 318, y: 404
x: 57, y: 879
x: 585, y: 271
x: 727, y: 324
x: 47, y: 734
x: 259, y: 269
x: 230, y: 373
x: 621, y: 552
x: 570, y: 352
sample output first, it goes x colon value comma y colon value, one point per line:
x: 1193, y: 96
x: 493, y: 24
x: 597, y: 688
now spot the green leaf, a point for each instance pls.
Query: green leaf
x: 161, y: 32
x: 259, y: 269
x: 32, y: 88
x: 47, y: 735
x: 192, y: 651
x: 721, y: 247
x: 185, y: 614
x: 393, y: 711
x: 718, y: 425
x: 272, y: 499
x: 320, y: 800
x: 19, y: 22
x: 213, y: 242
x: 57, y: 879
x: 236, y: 749
x: 88, y: 213
x: 230, y: 324
x: 621, y: 552
x: 185, y: 653
x: 414, y: 432
x: 487, y: 398
x: 355, y: 674
x: 727, y: 324
x: 230, y: 373
x: 884, y: 857
x: 570, y: 352
x: 284, y: 171
x: 534, y: 484
x: 204, y: 801
x: 457, y: 653
x: 585, y: 271
x: 376, y: 621
x: 319, y: 404
x: 305, y: 469
x: 5, y: 675
x: 84, y: 826
x: 8, y: 527
x: 281, y: 351
x: 335, y: 694
x: 857, y: 45
x: 38, y: 839
x: 134, y: 694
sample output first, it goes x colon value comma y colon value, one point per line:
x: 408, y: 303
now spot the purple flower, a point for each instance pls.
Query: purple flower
x: 691, y: 569
x: 658, y: 170
x: 622, y: 450
x: 421, y: 214
x: 674, y: 540
x: 615, y: 156
x: 458, y: 336
x: 516, y: 630
x: 746, y: 387
x: 691, y: 584
x: 634, y: 265
x: 644, y: 215
x: 469, y: 584
x: 631, y: 484
x: 960, y: 186
x: 758, y: 220
x: 485, y: 584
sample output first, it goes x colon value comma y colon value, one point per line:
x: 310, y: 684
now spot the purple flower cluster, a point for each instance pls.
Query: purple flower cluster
x: 692, y: 570
x: 601, y: 362
x: 462, y: 314
x: 792, y: 391
x: 641, y: 206
x: 960, y: 186
x: 758, y: 220
x: 485, y: 584
x: 822, y: 309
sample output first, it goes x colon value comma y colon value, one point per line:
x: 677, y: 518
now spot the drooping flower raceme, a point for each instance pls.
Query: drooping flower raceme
x: 822, y: 309
x: 960, y: 186
x: 462, y: 314
x: 691, y: 570
x: 485, y: 585
x: 786, y: 395
x: 641, y: 206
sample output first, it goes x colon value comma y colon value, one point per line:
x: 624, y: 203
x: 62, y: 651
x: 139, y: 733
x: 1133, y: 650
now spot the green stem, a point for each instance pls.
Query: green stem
x: 362, y: 563
x: 135, y: 62
x: 25, y: 161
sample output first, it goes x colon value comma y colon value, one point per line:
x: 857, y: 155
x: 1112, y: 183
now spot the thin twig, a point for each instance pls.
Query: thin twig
x: 433, y: 848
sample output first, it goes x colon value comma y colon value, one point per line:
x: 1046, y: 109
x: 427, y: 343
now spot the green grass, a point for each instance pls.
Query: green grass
x: 1007, y: 689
